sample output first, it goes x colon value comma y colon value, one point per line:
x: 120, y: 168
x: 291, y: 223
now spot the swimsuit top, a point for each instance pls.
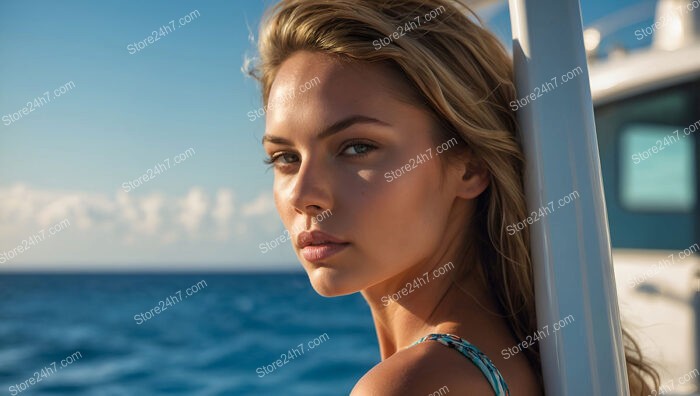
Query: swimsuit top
x: 476, y: 356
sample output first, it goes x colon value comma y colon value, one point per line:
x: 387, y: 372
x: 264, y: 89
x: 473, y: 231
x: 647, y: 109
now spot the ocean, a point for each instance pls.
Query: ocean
x: 167, y: 334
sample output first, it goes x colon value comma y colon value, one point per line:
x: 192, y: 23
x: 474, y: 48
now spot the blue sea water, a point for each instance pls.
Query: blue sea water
x: 213, y: 342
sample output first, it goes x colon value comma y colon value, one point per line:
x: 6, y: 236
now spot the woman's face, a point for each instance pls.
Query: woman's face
x: 336, y: 133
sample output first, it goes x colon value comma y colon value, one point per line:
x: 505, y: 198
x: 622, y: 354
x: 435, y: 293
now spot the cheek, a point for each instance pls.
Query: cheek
x: 405, y: 219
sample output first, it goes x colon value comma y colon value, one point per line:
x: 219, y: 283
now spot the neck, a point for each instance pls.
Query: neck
x: 429, y: 299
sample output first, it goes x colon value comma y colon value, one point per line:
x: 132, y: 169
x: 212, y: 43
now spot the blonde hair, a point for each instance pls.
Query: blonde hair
x: 462, y: 75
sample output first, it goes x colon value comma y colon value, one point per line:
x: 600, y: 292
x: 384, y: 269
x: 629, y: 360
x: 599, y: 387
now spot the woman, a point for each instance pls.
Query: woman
x: 393, y: 115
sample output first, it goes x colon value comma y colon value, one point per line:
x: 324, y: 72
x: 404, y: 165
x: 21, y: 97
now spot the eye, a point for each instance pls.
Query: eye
x: 286, y: 159
x: 358, y: 149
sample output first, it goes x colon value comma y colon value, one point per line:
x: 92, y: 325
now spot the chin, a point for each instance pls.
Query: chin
x: 328, y: 282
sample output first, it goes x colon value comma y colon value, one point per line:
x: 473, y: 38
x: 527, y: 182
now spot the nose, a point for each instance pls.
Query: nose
x: 311, y: 190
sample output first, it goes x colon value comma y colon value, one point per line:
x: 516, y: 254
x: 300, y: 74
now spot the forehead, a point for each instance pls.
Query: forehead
x: 311, y: 86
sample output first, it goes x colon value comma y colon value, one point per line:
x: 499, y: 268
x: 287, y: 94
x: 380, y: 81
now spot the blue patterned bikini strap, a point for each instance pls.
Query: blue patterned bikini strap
x: 476, y: 356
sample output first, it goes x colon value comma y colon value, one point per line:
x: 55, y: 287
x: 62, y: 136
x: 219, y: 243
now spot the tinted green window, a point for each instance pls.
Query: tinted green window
x: 657, y: 168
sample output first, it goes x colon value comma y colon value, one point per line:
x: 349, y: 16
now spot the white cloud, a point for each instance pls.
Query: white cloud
x: 151, y: 207
x: 224, y: 208
x: 128, y: 217
x: 193, y: 208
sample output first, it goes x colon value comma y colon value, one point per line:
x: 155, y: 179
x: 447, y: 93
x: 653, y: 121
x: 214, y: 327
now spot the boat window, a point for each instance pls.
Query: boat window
x: 650, y: 171
x: 657, y: 168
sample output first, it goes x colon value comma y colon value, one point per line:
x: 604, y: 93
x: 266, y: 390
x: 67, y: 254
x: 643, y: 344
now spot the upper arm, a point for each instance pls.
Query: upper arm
x: 422, y: 372
x: 388, y: 381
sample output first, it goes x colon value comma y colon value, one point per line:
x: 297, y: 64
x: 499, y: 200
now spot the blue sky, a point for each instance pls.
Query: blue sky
x: 120, y: 115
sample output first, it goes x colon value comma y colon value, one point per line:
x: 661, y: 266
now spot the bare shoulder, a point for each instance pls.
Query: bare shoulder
x: 424, y: 369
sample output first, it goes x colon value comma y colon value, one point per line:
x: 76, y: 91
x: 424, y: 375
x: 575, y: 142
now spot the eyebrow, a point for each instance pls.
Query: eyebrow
x: 331, y: 129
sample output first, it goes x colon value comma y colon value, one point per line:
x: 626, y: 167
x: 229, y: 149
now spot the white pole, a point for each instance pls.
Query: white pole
x: 574, y: 279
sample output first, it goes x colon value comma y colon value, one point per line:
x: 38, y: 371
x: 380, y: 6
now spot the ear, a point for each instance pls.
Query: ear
x: 475, y: 179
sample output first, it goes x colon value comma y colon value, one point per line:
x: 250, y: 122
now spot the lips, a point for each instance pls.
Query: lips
x: 316, y: 245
